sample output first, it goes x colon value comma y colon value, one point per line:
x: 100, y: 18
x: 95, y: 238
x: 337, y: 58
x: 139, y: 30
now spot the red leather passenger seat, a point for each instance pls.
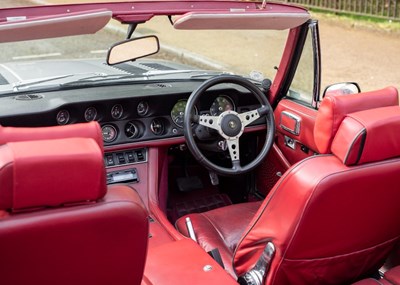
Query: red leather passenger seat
x: 391, y: 277
x: 59, y: 224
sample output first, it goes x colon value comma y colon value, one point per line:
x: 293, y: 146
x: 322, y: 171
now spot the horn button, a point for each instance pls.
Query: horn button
x: 231, y: 124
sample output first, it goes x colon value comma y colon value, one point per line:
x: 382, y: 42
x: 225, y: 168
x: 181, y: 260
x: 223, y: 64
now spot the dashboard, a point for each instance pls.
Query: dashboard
x: 126, y: 113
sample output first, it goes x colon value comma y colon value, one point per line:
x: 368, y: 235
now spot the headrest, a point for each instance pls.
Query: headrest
x: 334, y: 108
x: 83, y: 130
x: 50, y: 173
x: 368, y: 136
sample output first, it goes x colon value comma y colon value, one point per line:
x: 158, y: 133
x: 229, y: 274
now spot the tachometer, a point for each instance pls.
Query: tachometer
x: 221, y: 104
x: 178, y: 112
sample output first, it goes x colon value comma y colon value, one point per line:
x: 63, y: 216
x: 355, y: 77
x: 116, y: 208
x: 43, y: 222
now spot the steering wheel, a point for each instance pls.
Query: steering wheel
x: 230, y: 125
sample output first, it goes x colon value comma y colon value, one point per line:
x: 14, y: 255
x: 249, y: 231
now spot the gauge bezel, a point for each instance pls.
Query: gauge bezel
x: 161, y: 123
x: 147, y: 108
x: 120, y: 114
x: 227, y: 97
x: 114, y: 137
x: 136, y: 127
x: 172, y: 116
x: 87, y: 110
x: 66, y: 114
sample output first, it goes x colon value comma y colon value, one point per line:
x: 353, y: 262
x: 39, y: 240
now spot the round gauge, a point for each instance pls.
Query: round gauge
x: 109, y: 133
x: 131, y: 130
x: 178, y: 112
x: 117, y: 111
x: 157, y: 127
x: 90, y: 114
x: 142, y: 108
x: 221, y: 104
x: 62, y: 117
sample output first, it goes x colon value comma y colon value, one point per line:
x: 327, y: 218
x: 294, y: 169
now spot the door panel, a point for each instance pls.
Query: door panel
x: 270, y: 170
x: 294, y: 141
x: 295, y: 130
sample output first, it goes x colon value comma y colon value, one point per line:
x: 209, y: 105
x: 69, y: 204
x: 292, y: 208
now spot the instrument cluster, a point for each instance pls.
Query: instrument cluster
x: 119, y: 122
x: 220, y: 104
x: 149, y: 118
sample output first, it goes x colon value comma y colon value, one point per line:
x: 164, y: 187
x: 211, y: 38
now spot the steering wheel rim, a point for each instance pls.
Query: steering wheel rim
x: 230, y: 125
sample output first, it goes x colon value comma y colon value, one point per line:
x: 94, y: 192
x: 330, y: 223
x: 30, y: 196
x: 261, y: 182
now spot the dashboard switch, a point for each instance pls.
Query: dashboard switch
x: 140, y: 155
x: 131, y: 157
x: 121, y: 158
x: 110, y: 160
x: 125, y: 157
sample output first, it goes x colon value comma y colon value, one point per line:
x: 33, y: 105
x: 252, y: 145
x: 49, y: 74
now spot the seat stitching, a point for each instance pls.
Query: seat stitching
x: 307, y: 204
x: 369, y: 165
x: 269, y: 197
x: 347, y: 254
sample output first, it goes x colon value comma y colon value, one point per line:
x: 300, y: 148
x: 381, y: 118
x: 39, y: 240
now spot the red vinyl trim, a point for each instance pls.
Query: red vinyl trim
x: 283, y: 68
x: 123, y: 11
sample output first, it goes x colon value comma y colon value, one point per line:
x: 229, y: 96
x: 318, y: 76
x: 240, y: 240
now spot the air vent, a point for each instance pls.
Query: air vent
x: 157, y: 66
x: 129, y: 68
x: 159, y: 85
x: 27, y: 97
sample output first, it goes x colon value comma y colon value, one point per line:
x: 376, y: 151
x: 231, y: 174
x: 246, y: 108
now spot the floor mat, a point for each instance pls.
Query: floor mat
x: 201, y: 204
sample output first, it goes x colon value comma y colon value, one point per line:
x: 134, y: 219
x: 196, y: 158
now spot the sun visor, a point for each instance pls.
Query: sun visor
x: 22, y: 28
x: 241, y: 20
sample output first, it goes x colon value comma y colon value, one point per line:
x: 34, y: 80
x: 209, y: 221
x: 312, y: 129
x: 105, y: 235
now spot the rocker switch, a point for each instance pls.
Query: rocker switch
x: 140, y: 155
x: 131, y: 157
x: 110, y: 160
x: 121, y: 158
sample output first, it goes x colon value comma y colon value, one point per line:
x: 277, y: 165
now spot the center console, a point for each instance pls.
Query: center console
x: 171, y: 258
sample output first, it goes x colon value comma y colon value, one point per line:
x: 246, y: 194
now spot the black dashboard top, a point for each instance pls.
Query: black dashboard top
x: 127, y: 113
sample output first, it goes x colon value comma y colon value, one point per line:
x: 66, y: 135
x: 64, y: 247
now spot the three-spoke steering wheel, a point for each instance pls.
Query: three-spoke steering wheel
x: 230, y: 125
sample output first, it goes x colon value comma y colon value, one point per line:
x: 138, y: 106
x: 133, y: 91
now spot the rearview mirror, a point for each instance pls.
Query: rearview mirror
x: 342, y: 89
x: 132, y: 49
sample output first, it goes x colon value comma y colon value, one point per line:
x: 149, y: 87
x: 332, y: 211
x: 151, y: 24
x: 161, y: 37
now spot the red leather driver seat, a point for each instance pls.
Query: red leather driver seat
x: 59, y: 224
x: 331, y: 217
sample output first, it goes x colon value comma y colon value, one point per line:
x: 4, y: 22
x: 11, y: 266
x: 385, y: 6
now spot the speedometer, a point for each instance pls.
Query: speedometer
x: 178, y: 112
x: 221, y: 104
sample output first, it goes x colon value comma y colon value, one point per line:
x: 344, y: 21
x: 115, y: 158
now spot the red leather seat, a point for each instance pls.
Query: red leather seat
x: 59, y: 224
x: 391, y: 277
x: 320, y: 213
x: 83, y: 130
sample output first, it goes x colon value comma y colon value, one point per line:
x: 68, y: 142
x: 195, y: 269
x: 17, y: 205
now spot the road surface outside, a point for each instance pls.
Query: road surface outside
x: 350, y: 52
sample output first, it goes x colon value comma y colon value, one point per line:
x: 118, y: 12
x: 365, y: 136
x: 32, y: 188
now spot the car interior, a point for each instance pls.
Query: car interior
x: 192, y: 179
